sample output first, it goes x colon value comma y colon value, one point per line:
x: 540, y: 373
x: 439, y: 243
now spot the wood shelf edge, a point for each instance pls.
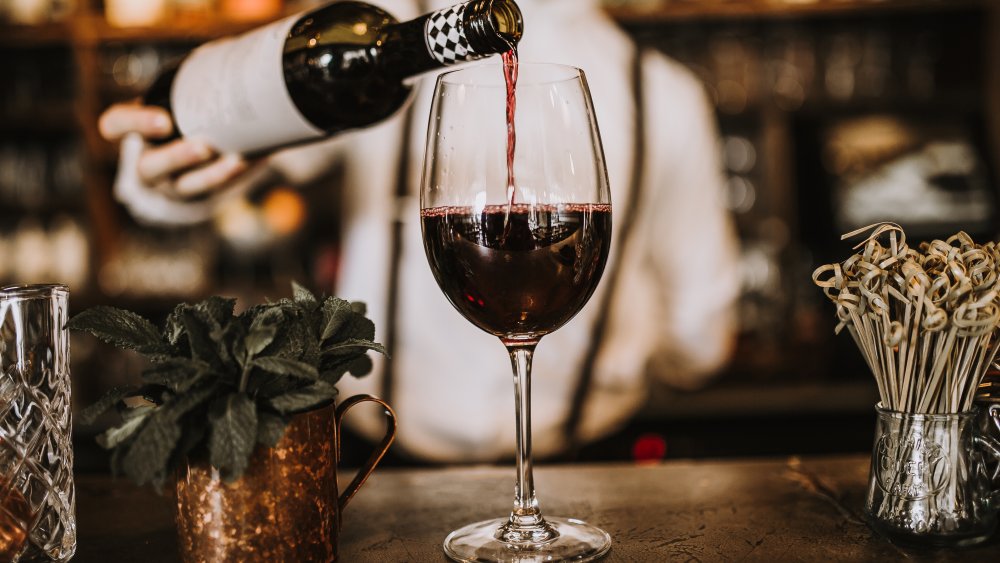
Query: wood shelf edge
x: 92, y: 30
x: 674, y: 10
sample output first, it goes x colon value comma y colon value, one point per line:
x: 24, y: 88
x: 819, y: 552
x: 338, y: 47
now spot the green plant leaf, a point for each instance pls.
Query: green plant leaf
x: 233, y: 434
x: 150, y: 449
x: 333, y: 368
x: 263, y: 329
x: 220, y: 309
x: 335, y: 374
x: 118, y: 434
x: 270, y: 429
x: 200, y: 328
x: 302, y: 295
x: 285, y: 366
x: 344, y: 321
x: 290, y: 339
x: 192, y: 400
x: 89, y: 415
x: 177, y: 374
x: 263, y: 385
x: 192, y: 442
x: 305, y: 398
x: 353, y: 346
x: 139, y: 410
x: 120, y: 328
x: 296, y: 341
x: 361, y: 366
x: 173, y: 328
x: 230, y: 341
x: 337, y: 313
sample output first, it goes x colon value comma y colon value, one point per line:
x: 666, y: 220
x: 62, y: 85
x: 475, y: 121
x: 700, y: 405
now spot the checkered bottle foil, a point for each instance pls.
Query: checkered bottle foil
x: 473, y: 30
x: 446, y: 39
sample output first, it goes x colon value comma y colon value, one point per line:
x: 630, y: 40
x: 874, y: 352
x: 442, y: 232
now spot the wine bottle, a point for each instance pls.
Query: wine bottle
x: 338, y: 67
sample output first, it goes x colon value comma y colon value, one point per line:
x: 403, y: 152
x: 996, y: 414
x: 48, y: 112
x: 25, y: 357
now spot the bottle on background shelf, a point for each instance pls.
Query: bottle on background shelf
x: 160, y: 265
x: 135, y: 13
x: 339, y: 67
x: 29, y: 254
x: 193, y: 9
x: 251, y: 10
x: 34, y: 12
x: 34, y: 175
x: 38, y: 251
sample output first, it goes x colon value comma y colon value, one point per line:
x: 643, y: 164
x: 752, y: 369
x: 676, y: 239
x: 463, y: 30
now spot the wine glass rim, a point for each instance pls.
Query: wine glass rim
x: 488, y: 75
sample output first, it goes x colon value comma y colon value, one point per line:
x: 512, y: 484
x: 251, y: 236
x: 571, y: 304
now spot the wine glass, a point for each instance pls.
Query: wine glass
x: 518, y: 251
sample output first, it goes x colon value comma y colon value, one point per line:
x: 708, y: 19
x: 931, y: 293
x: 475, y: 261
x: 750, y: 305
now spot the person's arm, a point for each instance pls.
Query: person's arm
x: 690, y: 241
x: 180, y: 182
x: 183, y: 168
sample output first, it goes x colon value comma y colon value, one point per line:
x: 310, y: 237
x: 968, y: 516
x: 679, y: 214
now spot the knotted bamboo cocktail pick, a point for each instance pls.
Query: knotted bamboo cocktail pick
x: 925, y: 320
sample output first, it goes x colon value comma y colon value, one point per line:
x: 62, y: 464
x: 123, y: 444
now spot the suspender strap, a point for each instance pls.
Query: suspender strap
x: 396, y: 248
x: 395, y: 257
x: 624, y: 228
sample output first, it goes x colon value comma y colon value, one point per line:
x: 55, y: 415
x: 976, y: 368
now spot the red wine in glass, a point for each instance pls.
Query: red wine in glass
x: 518, y: 265
x: 518, y: 270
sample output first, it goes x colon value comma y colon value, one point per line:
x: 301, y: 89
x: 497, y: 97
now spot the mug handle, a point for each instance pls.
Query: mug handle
x: 377, y: 454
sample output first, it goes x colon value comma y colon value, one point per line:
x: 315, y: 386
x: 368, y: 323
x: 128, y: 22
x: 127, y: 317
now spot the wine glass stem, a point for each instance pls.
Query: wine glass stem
x: 526, y: 524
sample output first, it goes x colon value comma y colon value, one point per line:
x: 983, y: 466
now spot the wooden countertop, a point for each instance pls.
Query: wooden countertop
x: 772, y: 510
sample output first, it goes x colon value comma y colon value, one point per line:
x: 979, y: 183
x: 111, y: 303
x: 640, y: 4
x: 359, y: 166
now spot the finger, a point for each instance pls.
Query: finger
x: 149, y: 121
x: 210, y: 177
x: 172, y: 158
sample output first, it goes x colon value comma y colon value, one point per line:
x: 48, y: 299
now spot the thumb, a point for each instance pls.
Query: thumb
x: 148, y: 121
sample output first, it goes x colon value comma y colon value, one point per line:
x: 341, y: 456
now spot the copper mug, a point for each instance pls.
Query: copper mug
x: 286, y: 506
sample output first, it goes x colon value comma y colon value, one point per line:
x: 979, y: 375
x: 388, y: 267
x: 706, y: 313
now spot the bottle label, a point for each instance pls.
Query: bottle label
x: 446, y: 39
x: 232, y: 94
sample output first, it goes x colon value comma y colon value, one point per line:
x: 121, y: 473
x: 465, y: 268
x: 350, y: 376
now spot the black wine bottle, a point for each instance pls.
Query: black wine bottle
x: 341, y: 66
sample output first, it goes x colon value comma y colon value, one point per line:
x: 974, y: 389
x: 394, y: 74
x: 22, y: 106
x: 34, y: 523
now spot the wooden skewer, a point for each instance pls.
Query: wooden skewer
x: 925, y: 320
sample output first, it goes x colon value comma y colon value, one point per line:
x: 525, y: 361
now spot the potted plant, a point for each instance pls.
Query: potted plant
x: 241, y: 409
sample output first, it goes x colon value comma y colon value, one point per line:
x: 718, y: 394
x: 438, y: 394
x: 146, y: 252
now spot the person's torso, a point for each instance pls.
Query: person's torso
x: 452, y: 382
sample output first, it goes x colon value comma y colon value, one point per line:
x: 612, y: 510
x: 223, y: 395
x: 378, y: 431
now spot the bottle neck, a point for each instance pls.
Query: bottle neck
x: 459, y: 33
x: 493, y: 26
x: 404, y: 48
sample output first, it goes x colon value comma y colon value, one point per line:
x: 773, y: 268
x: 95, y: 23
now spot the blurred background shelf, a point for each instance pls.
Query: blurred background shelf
x: 95, y: 30
x: 56, y: 120
x: 39, y: 35
x: 653, y: 11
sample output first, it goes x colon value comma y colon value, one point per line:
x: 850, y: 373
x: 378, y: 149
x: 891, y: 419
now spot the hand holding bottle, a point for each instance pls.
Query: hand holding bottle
x: 343, y: 66
x: 339, y: 67
x: 184, y: 168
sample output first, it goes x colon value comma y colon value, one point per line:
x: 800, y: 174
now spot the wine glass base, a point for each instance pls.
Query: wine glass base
x: 577, y: 541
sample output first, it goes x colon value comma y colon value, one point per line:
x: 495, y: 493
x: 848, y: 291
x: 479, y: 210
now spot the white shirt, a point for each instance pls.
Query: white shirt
x: 673, y: 313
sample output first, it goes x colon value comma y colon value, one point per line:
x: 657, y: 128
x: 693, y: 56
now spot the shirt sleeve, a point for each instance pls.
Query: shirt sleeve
x: 689, y: 239
x: 152, y: 204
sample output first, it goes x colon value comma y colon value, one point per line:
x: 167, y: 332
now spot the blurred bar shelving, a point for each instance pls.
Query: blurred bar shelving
x: 686, y: 10
x: 800, y: 88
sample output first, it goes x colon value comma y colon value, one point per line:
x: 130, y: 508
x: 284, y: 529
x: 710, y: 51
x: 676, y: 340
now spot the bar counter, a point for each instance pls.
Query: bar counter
x: 778, y: 509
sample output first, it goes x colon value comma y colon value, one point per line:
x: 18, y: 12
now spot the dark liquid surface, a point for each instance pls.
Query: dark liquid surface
x: 523, y: 281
